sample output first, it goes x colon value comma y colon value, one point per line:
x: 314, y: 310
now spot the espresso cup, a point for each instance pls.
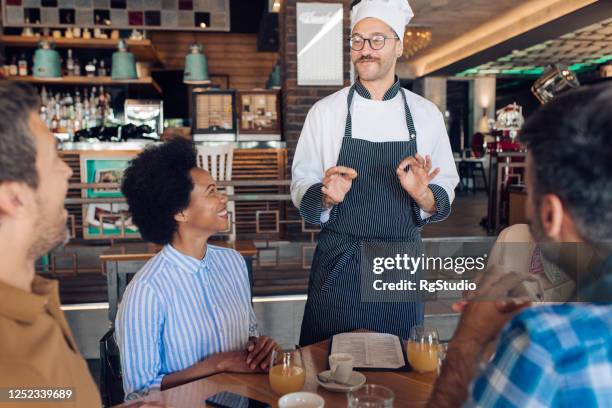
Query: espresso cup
x: 341, y: 366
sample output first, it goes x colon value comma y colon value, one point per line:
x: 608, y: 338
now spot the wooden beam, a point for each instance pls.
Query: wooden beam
x: 519, y: 20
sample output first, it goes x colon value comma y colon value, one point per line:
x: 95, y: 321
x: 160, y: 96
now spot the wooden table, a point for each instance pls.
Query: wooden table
x: 411, y: 389
x: 121, y: 260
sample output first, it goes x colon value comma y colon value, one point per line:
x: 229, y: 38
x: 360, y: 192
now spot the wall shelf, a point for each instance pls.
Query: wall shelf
x: 143, y: 50
x: 146, y: 82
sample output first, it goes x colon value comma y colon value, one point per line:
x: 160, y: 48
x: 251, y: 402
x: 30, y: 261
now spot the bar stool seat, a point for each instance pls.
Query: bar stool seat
x: 469, y: 172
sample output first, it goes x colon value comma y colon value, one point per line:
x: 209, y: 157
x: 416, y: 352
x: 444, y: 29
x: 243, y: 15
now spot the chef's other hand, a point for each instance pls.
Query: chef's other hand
x: 336, y: 184
x: 414, y: 174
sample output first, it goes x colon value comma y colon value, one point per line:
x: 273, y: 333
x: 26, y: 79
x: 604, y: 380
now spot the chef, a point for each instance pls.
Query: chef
x: 373, y: 164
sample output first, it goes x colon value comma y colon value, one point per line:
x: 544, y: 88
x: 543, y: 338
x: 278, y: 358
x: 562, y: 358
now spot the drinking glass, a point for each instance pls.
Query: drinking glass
x: 423, y: 348
x: 371, y: 396
x: 287, y: 372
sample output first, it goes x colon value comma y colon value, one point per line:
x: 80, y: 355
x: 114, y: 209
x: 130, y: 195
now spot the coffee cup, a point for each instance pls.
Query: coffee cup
x: 341, y: 366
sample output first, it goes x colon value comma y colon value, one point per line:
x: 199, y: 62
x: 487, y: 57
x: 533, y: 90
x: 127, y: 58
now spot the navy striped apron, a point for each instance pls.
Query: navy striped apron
x: 376, y: 209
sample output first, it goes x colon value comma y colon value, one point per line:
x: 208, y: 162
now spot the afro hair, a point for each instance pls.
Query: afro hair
x: 157, y: 185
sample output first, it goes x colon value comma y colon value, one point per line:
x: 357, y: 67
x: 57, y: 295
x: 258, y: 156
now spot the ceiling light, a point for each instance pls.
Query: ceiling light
x: 415, y: 39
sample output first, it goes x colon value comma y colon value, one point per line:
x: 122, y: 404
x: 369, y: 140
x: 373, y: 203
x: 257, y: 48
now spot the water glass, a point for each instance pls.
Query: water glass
x: 371, y: 396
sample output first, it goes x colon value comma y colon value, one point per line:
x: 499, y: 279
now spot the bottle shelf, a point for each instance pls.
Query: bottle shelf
x: 146, y: 82
x: 143, y: 50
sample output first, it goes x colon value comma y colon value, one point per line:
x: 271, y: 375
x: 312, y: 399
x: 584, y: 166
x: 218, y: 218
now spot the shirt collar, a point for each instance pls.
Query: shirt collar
x: 25, y: 307
x: 184, y: 262
x: 389, y: 94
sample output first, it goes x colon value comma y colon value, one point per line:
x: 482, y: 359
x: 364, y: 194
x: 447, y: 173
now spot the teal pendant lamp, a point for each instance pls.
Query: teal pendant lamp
x: 274, y: 80
x: 46, y: 61
x: 196, y: 67
x: 124, y: 64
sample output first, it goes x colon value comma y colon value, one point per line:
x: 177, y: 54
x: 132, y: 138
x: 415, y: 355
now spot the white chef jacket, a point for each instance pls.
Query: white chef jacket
x: 319, y: 144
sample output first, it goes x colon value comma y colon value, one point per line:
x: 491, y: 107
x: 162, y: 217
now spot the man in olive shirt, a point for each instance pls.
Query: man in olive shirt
x: 37, y: 350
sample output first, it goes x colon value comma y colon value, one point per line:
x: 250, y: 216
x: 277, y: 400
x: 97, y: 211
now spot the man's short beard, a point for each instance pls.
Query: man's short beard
x: 47, y: 243
x: 49, y: 234
x: 539, y: 236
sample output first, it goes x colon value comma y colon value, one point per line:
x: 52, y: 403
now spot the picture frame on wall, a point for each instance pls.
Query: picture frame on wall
x: 258, y: 114
x: 213, y: 114
x: 219, y: 81
x: 106, y: 220
x: 320, y: 60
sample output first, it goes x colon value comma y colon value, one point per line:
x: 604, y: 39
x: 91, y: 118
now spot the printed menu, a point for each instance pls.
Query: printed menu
x: 371, y: 350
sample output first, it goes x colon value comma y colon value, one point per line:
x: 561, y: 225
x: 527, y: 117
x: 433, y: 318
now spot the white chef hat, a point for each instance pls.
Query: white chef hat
x: 396, y: 13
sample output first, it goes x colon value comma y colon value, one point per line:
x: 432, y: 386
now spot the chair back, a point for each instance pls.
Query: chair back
x: 111, y: 380
x: 217, y: 160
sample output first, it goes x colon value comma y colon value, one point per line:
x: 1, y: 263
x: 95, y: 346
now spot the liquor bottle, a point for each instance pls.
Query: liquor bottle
x: 13, y: 70
x: 90, y: 69
x: 56, y: 119
x: 44, y: 97
x: 101, y: 69
x: 43, y: 114
x: 101, y: 96
x: 77, y: 67
x: 23, y: 66
x: 70, y: 63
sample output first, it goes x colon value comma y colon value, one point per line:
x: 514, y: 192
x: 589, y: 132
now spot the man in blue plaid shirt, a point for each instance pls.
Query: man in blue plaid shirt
x: 556, y: 355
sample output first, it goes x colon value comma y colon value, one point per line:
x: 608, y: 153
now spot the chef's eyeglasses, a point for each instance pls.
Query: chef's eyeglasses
x: 377, y: 42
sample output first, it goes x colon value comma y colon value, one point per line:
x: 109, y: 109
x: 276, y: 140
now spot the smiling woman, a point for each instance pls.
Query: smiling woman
x: 187, y: 313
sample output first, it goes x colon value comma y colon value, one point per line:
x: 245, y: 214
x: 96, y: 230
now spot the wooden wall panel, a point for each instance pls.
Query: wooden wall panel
x: 228, y: 53
x: 263, y: 164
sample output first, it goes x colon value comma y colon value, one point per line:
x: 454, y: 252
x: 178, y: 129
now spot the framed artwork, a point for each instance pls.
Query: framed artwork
x: 105, y: 220
x: 319, y: 44
x: 259, y: 111
x: 219, y: 81
x: 213, y: 114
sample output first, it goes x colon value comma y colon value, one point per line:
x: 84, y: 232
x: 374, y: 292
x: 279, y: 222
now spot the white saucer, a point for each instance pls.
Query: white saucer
x: 356, y: 380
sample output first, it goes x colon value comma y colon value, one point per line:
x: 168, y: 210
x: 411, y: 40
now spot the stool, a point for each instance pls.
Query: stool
x: 469, y: 171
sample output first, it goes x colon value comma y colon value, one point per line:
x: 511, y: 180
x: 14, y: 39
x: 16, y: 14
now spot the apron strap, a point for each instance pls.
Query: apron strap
x: 409, y: 121
x: 348, y: 128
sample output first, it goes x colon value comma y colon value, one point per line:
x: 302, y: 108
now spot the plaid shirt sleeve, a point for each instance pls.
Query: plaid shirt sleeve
x: 521, y: 374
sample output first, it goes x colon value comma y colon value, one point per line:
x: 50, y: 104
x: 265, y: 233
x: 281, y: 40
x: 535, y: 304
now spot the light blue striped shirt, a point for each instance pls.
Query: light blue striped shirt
x: 179, y: 310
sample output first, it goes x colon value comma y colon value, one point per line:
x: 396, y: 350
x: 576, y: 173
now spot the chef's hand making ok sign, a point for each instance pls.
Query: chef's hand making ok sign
x: 336, y: 184
x: 415, y: 174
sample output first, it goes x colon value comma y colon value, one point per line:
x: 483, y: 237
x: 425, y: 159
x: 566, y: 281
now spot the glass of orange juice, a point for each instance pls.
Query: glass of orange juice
x: 423, y: 348
x: 287, y: 372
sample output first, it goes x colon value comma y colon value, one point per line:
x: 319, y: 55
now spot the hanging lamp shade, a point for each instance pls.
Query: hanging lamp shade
x: 274, y: 80
x: 555, y: 80
x: 196, y: 66
x: 46, y: 61
x: 124, y: 64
